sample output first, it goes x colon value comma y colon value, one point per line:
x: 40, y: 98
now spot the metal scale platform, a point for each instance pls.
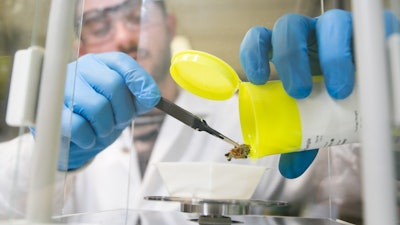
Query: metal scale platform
x: 199, y: 211
x: 138, y: 217
x: 219, y: 211
x: 226, y: 211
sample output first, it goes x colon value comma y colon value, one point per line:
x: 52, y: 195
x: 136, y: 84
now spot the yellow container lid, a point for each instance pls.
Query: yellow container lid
x: 204, y: 75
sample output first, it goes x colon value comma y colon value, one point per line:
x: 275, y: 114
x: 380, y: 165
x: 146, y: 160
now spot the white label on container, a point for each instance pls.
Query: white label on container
x: 335, y: 122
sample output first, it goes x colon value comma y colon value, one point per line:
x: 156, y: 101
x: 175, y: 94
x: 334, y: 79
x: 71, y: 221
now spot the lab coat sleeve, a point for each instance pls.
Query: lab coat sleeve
x: 336, y: 183
x: 15, y: 158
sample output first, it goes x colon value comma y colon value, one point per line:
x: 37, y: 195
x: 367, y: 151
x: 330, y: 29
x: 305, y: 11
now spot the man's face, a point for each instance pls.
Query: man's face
x: 142, y: 31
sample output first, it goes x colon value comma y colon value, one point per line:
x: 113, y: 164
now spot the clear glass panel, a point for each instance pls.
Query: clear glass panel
x: 115, y: 178
x: 393, y: 7
x: 102, y: 184
x: 119, y: 178
x: 22, y: 25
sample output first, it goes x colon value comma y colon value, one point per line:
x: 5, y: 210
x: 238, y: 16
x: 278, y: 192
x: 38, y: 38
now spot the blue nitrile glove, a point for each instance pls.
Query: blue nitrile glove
x: 110, y: 89
x: 294, y: 164
x: 301, y: 47
x: 392, y: 23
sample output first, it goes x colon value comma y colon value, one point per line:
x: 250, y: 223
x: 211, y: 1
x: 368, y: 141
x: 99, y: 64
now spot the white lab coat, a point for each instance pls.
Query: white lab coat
x: 112, y: 180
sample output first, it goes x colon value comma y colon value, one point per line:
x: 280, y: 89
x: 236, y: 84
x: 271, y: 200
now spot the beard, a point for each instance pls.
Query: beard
x: 157, y: 64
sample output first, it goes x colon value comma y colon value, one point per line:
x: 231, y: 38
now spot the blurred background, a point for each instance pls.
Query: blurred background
x: 213, y: 26
x: 22, y: 24
x: 218, y: 27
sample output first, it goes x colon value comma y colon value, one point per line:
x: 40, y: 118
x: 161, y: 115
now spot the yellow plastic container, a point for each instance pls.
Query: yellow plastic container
x: 269, y: 119
x: 272, y: 122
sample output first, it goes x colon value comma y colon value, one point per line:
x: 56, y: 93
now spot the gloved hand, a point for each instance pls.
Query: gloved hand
x: 301, y: 47
x: 110, y: 89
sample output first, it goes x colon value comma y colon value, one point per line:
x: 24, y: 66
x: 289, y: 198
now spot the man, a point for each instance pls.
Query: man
x: 150, y: 47
x: 110, y: 26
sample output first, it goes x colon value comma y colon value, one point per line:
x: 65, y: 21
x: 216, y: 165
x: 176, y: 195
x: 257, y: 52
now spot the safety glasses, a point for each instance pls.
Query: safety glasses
x: 98, y: 25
